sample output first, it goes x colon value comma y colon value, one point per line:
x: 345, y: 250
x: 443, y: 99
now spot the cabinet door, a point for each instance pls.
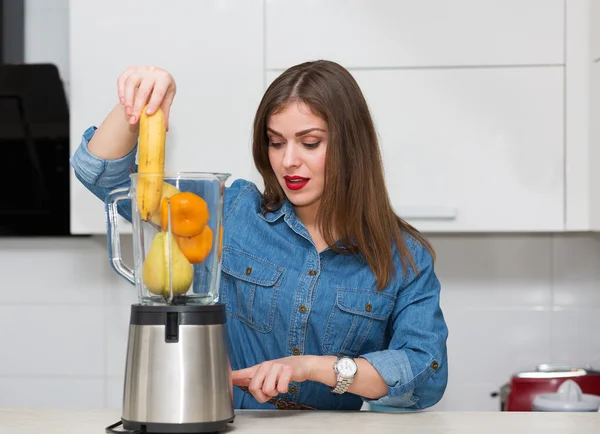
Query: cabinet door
x: 471, y: 150
x: 213, y: 48
x: 404, y: 33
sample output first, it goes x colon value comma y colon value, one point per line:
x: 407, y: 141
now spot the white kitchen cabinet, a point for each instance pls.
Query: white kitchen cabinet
x: 415, y: 33
x: 214, y: 48
x: 471, y: 150
x: 582, y: 111
x: 594, y: 114
x: 470, y: 97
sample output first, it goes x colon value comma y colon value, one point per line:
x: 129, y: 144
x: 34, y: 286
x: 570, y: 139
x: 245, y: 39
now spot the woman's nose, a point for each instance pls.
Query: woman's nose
x: 290, y: 156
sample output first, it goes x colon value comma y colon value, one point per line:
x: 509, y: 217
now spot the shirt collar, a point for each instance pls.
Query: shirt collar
x: 286, y: 209
x: 288, y: 213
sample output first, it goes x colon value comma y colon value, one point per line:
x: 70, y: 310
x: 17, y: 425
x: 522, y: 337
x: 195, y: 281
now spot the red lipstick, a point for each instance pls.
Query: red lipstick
x: 295, y: 182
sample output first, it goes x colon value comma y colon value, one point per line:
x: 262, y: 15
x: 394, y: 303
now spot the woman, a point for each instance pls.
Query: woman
x: 342, y: 303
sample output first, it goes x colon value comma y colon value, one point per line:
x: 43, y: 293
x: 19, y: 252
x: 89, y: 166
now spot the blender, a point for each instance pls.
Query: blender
x: 177, y: 372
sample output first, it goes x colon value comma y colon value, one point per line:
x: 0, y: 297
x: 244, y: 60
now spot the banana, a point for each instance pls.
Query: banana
x: 151, y: 160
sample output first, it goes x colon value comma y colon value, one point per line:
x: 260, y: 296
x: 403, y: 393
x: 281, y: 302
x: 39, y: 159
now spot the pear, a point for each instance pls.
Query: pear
x: 155, y: 272
x: 168, y: 190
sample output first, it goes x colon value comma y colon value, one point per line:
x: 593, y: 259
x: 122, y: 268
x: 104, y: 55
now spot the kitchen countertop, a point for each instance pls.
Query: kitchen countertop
x: 74, y: 421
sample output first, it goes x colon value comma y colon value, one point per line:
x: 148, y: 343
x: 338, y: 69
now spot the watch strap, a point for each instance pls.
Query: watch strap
x: 342, y: 385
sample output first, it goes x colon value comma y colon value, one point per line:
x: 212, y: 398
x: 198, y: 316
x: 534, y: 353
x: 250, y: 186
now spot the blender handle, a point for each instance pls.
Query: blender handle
x: 113, y: 235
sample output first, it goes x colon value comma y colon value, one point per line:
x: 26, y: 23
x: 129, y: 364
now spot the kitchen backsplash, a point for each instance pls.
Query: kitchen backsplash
x: 511, y: 301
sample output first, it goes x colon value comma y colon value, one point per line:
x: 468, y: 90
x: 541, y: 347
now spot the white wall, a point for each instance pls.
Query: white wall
x: 47, y: 34
x: 511, y: 301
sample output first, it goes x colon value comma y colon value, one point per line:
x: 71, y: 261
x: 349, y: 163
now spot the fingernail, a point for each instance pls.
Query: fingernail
x: 122, y: 100
x: 127, y: 110
x: 132, y: 119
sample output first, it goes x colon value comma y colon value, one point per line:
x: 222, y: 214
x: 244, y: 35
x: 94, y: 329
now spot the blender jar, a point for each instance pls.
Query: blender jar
x: 177, y: 240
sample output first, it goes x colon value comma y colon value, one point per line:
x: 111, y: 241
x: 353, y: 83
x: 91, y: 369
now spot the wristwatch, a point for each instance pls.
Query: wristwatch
x: 345, y: 368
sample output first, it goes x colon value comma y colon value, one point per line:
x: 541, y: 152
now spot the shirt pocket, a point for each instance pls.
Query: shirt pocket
x: 357, y: 322
x: 250, y: 287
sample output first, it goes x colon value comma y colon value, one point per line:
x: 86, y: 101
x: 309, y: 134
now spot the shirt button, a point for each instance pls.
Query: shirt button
x: 249, y: 270
x: 302, y: 309
x: 368, y: 307
x: 435, y: 365
x: 312, y: 272
x: 296, y: 351
x: 292, y: 390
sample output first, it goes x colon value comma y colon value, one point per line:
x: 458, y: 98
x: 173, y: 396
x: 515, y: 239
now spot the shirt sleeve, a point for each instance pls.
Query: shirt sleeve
x: 415, y: 363
x: 102, y: 176
x: 98, y: 172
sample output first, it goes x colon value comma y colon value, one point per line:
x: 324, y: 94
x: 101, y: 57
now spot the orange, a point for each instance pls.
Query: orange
x: 196, y: 248
x: 189, y: 214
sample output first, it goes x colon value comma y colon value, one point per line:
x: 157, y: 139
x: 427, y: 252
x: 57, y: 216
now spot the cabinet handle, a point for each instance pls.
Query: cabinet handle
x: 427, y: 213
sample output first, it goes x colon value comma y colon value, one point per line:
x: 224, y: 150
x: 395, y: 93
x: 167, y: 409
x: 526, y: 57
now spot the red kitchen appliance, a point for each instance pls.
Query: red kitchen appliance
x: 519, y: 393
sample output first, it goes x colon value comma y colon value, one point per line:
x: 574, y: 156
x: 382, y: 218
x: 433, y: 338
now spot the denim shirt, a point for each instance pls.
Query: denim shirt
x: 298, y: 300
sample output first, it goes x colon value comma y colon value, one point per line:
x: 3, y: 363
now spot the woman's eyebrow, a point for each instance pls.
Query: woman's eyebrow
x: 298, y: 134
x: 310, y: 130
x: 274, y: 132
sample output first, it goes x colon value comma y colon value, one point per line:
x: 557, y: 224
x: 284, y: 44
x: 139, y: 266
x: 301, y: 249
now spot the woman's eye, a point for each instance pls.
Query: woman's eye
x: 312, y: 145
x: 275, y: 144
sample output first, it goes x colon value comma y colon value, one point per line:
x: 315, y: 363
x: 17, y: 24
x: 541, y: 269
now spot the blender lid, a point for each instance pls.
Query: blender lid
x: 569, y: 397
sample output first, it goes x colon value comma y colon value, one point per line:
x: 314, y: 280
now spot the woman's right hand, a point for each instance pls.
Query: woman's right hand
x: 139, y: 86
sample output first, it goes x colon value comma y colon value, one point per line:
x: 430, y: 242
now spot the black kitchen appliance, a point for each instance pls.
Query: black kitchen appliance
x: 34, y: 145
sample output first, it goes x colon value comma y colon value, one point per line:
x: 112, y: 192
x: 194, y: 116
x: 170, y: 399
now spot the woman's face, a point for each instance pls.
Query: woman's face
x: 297, y: 145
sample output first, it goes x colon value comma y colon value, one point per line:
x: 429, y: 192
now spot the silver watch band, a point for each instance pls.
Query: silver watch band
x: 342, y: 385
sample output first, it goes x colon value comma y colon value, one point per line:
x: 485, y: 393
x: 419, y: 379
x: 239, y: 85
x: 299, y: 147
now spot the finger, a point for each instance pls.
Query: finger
x: 242, y: 377
x: 245, y: 372
x: 121, y: 84
x: 270, y: 384
x: 242, y: 382
x: 141, y: 97
x: 131, y: 85
x: 166, y: 107
x: 285, y: 377
x: 256, y: 384
x: 158, y: 95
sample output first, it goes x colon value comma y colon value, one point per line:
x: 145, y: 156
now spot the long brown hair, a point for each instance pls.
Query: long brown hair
x: 355, y: 208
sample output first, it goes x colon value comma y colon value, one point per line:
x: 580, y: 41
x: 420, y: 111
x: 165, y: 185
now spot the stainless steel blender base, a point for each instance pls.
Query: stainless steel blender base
x: 178, y: 374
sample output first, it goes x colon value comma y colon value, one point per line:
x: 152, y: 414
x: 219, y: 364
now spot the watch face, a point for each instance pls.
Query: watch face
x: 346, y: 367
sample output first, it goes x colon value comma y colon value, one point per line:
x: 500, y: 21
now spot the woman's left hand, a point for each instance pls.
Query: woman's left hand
x: 273, y: 377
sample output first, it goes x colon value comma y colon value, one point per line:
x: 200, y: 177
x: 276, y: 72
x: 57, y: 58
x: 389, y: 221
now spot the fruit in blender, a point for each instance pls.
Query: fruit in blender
x: 156, y: 274
x: 168, y: 190
x: 196, y: 248
x: 151, y: 160
x: 189, y: 214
